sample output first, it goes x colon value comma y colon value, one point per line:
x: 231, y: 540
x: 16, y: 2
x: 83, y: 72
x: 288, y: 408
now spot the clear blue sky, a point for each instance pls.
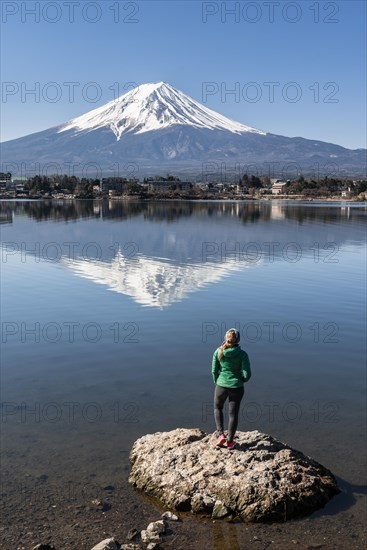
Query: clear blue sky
x: 311, y: 54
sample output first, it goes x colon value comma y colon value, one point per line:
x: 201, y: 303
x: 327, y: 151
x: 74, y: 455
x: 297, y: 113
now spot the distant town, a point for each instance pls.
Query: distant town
x: 172, y: 187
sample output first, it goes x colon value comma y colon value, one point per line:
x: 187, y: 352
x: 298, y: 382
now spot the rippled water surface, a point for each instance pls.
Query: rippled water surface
x: 111, y: 312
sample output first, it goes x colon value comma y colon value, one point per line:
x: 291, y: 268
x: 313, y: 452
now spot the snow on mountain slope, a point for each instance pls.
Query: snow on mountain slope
x: 158, y: 127
x: 152, y: 107
x: 151, y: 281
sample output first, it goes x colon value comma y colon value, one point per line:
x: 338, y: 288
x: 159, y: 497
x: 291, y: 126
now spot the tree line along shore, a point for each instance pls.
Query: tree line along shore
x: 172, y: 187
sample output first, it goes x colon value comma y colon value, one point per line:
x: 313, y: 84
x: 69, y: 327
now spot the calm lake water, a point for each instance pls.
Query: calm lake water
x: 111, y: 312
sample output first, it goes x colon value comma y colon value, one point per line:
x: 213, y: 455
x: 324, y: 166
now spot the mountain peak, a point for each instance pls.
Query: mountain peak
x: 148, y: 88
x: 155, y: 125
x: 153, y: 106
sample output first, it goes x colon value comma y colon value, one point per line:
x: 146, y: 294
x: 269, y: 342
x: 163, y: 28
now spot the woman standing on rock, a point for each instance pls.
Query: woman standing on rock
x: 230, y: 370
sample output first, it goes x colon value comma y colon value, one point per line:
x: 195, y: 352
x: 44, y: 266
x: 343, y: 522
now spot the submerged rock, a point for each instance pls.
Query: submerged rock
x: 153, y: 532
x: 262, y: 479
x: 132, y: 534
x: 157, y: 527
x: 107, y: 544
x: 169, y: 515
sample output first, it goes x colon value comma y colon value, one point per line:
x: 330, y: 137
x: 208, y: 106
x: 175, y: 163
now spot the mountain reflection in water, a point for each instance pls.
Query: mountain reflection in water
x: 151, y: 282
x: 158, y: 252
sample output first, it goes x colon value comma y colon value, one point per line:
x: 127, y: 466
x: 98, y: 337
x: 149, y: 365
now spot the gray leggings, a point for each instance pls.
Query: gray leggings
x: 235, y: 396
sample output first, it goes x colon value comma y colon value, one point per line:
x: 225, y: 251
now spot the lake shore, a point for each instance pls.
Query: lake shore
x: 66, y: 517
x: 211, y: 198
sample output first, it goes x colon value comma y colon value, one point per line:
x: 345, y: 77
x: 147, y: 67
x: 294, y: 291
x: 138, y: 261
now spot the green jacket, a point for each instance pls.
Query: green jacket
x: 233, y: 370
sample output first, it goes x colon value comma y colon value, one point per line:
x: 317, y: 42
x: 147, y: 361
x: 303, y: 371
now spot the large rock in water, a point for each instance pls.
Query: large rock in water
x: 261, y: 480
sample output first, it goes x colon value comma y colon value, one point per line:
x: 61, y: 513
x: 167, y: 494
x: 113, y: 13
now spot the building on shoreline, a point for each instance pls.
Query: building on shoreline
x: 5, y: 180
x: 277, y: 187
x: 168, y: 185
x: 113, y: 184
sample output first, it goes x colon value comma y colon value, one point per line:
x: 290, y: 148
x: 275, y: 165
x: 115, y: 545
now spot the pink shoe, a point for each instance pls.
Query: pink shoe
x: 221, y: 441
x: 231, y: 445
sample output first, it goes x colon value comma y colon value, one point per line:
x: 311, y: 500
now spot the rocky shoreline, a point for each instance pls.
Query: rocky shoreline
x: 150, y: 537
x: 81, y: 521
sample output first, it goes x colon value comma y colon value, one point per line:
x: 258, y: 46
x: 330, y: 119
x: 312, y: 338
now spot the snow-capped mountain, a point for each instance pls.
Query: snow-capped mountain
x: 153, y: 107
x: 156, y: 128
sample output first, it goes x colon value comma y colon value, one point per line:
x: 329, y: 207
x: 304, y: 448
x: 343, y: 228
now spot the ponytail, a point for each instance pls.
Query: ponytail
x: 226, y: 344
x: 222, y: 348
